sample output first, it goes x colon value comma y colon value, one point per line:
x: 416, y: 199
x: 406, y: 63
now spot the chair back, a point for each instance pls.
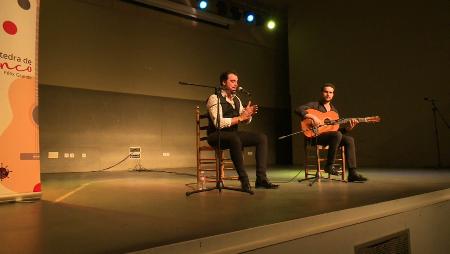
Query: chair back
x: 201, y: 130
x: 207, y: 163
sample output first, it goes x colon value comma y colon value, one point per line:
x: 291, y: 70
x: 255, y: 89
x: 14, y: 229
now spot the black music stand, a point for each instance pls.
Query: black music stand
x: 219, y: 181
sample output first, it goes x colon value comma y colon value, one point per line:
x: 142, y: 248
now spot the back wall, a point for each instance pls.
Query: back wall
x: 109, y: 73
x: 384, y: 57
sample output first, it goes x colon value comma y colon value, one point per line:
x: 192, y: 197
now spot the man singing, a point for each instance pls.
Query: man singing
x: 231, y: 114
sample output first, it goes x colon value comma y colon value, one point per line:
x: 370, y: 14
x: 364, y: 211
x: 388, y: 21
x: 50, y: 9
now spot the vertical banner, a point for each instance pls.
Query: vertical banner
x: 19, y: 130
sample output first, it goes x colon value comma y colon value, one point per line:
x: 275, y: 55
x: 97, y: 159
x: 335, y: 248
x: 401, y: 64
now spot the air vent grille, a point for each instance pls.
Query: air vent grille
x: 397, y: 243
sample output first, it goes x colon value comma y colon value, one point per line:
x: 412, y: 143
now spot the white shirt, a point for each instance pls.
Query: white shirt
x: 211, y: 106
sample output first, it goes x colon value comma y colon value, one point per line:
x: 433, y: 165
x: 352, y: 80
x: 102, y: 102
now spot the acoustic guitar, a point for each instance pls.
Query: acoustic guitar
x: 331, y: 122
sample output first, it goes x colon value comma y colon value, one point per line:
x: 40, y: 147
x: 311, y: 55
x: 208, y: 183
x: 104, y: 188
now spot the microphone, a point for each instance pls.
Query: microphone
x: 241, y: 89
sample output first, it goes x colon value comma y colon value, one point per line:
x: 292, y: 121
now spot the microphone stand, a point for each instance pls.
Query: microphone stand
x: 435, y: 110
x: 299, y: 132
x: 218, y: 150
x: 317, y: 176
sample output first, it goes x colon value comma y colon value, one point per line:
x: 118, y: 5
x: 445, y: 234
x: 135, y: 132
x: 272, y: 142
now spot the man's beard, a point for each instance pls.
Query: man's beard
x: 229, y: 91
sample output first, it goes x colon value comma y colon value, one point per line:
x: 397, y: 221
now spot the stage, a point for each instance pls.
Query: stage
x: 124, y: 211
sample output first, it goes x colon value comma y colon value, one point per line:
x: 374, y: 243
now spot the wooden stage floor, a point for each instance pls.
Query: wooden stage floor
x: 117, y: 212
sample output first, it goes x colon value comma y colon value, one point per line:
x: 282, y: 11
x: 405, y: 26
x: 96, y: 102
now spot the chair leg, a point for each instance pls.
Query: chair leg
x: 319, y: 163
x: 218, y: 164
x: 222, y: 168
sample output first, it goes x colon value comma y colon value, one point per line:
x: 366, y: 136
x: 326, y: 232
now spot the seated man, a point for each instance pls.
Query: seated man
x: 232, y: 113
x: 333, y: 139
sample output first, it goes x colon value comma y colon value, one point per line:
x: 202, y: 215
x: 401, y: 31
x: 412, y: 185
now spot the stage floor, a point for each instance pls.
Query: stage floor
x: 117, y: 212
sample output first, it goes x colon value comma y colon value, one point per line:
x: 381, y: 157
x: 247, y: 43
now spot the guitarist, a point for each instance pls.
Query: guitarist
x: 333, y: 139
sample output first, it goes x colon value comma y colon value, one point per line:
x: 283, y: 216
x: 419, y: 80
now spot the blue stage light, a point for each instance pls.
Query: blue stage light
x: 249, y: 17
x: 203, y: 4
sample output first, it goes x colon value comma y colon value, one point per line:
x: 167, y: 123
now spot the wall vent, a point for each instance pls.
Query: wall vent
x: 397, y: 243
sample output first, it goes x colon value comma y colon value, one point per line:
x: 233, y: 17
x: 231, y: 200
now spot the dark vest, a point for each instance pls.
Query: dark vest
x: 227, y: 112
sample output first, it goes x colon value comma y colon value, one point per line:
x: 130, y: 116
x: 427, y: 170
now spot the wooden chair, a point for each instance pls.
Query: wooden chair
x: 207, y: 164
x: 315, y: 159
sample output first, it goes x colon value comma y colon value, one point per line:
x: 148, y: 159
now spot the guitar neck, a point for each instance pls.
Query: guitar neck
x: 346, y: 120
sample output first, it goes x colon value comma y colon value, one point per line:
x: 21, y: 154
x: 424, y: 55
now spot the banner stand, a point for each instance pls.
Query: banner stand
x: 19, y: 123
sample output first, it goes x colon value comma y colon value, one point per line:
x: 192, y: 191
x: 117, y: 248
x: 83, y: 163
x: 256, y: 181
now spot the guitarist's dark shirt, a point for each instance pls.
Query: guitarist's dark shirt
x: 317, y: 105
x: 301, y: 111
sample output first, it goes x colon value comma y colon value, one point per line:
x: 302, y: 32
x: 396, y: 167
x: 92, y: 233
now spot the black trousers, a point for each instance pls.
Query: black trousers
x: 334, y: 140
x: 236, y: 141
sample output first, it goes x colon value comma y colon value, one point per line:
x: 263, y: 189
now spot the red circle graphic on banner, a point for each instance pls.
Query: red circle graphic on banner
x: 10, y: 27
x: 37, y: 188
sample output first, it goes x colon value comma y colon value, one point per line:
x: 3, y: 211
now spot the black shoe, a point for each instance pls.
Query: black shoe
x: 246, y: 187
x: 265, y: 184
x: 355, y: 177
x: 332, y: 170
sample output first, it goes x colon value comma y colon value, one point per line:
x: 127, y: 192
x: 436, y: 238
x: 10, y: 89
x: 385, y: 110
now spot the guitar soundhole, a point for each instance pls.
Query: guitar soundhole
x: 35, y: 115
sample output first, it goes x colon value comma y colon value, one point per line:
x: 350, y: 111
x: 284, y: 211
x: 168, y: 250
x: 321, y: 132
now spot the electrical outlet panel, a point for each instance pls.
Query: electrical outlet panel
x: 135, y: 152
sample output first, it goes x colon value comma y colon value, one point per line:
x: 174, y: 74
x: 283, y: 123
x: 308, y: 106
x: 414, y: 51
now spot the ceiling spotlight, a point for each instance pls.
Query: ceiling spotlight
x: 249, y: 17
x: 202, y: 4
x: 271, y: 24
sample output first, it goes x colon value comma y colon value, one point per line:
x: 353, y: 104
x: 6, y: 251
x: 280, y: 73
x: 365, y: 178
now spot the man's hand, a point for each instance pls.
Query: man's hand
x: 353, y: 122
x: 249, y: 111
x: 252, y: 109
